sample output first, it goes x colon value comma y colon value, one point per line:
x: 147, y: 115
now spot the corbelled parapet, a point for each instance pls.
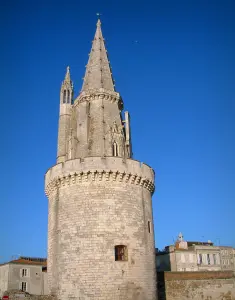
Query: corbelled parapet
x: 99, y: 94
x: 99, y: 169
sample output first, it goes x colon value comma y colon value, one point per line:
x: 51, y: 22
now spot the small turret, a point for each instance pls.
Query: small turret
x: 66, y: 92
x: 66, y: 98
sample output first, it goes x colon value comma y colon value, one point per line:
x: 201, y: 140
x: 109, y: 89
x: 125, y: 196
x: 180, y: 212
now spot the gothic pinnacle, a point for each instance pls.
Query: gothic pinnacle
x: 67, y: 76
x: 67, y: 80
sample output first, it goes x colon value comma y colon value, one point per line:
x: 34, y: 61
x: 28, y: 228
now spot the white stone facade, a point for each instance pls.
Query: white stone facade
x: 14, y: 275
x: 195, y: 257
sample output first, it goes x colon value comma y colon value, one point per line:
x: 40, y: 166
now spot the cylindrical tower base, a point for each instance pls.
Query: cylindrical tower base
x: 101, y: 237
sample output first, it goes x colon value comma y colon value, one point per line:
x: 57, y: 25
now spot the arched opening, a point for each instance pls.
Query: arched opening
x: 68, y: 96
x: 115, y: 149
x: 64, y: 96
x: 121, y: 253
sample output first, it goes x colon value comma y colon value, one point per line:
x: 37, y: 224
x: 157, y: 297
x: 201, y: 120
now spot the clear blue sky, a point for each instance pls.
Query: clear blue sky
x: 177, y: 82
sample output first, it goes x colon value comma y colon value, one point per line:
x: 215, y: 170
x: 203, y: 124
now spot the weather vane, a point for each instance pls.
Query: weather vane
x: 98, y: 14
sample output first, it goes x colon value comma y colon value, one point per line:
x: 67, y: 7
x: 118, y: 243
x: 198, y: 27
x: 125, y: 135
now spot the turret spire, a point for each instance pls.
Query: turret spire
x: 66, y: 93
x: 98, y: 73
x: 67, y: 76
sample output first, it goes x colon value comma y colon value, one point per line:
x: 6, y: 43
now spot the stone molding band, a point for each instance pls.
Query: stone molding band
x: 101, y: 94
x: 98, y: 175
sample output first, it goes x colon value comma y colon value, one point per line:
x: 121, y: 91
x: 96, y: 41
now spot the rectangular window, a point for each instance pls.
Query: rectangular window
x: 208, y: 259
x: 24, y: 286
x: 121, y: 253
x: 200, y: 259
x: 214, y: 257
x: 24, y: 272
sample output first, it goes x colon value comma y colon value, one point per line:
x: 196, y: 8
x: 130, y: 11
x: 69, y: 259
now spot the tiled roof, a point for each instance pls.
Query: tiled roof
x: 28, y: 261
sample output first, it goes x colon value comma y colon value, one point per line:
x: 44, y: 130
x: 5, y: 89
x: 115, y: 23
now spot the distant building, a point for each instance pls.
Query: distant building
x: 227, y: 258
x: 26, y: 274
x: 195, y: 256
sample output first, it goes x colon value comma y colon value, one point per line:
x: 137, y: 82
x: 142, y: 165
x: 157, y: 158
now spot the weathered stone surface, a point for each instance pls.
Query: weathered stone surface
x: 19, y: 295
x: 196, y: 285
x: 88, y: 216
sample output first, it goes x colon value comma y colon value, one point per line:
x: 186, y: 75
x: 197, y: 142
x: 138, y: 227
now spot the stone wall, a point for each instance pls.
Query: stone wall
x: 96, y: 204
x: 4, y: 272
x: 20, y: 295
x: 196, y: 285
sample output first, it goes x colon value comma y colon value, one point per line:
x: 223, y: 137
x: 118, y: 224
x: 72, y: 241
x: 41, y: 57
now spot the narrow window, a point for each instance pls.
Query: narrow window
x: 208, y: 259
x: 149, y: 226
x: 88, y: 108
x: 24, y: 286
x: 121, y: 253
x: 64, y: 97
x: 68, y: 96
x: 115, y: 149
x: 24, y: 272
x: 200, y: 259
x: 214, y: 257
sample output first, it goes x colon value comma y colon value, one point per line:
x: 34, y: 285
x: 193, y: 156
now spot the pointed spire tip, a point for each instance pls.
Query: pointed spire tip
x: 98, y: 73
x: 98, y: 23
x: 67, y: 75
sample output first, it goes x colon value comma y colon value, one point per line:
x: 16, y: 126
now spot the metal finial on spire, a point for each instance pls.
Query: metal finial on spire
x: 98, y: 22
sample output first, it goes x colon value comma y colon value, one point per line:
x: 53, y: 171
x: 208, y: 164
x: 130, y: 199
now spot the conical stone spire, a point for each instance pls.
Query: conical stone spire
x: 98, y: 73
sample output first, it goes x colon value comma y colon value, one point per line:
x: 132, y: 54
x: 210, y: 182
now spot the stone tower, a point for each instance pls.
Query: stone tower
x: 100, y: 223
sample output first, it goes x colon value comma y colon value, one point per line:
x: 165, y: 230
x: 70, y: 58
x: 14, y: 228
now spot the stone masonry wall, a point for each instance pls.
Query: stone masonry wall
x: 196, y: 286
x: 4, y: 273
x: 95, y: 204
x: 99, y: 125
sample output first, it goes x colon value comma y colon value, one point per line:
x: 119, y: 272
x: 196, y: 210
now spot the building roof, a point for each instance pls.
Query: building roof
x: 28, y: 261
x: 200, y: 244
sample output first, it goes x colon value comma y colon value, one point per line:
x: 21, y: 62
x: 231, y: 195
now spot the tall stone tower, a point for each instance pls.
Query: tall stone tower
x: 100, y: 227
